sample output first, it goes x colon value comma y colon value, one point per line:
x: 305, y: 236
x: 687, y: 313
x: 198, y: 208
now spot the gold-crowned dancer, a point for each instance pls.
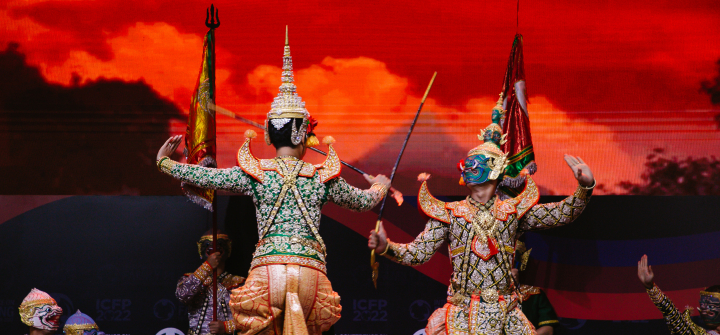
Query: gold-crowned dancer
x: 287, y: 291
x: 481, y: 233
x: 680, y: 323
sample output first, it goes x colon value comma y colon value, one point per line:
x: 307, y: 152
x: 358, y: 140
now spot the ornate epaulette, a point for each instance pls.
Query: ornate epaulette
x: 232, y: 282
x: 248, y: 163
x: 331, y: 168
x: 431, y: 206
x: 522, y: 203
x: 526, y: 291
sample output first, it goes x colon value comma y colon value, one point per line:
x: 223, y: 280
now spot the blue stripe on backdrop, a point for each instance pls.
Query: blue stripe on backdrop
x: 623, y: 252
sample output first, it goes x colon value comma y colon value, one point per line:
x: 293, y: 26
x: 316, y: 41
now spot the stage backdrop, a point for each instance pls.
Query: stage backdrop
x: 90, y: 90
x: 118, y: 258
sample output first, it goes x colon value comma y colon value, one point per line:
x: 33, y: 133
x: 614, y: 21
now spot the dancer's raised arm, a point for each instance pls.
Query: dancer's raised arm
x: 233, y: 179
x: 555, y: 214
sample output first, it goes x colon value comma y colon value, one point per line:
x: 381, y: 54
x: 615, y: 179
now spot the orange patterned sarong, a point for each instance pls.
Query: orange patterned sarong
x: 283, y: 299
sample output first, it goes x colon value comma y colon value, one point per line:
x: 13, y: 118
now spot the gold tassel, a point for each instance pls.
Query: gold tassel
x: 328, y: 140
x: 312, y: 141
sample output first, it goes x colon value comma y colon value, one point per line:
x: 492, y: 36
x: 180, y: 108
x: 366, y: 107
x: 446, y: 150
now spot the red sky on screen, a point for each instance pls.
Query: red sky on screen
x: 607, y: 81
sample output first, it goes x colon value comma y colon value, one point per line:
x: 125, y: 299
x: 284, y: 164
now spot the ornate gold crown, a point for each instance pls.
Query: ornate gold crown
x: 712, y: 294
x: 210, y: 238
x: 287, y: 104
x: 492, y: 138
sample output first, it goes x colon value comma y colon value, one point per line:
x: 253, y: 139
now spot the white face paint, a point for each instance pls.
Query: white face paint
x: 46, y: 317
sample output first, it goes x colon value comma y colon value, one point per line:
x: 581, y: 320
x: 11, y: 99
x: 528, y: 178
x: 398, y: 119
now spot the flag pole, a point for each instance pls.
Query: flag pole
x: 212, y: 21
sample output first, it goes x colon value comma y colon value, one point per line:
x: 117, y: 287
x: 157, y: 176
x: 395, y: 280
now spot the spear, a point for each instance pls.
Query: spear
x: 373, y: 263
x: 397, y: 195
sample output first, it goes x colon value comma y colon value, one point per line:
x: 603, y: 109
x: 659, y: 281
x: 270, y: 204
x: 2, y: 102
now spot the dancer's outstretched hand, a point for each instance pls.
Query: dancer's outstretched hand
x: 381, y: 178
x: 580, y: 170
x: 378, y: 240
x: 170, y: 146
x: 645, y: 272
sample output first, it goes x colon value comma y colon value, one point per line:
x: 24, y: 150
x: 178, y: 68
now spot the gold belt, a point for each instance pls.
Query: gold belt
x: 292, y: 240
x: 488, y: 295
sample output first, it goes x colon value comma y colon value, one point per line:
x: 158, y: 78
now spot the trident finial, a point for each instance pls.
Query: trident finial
x: 210, y: 16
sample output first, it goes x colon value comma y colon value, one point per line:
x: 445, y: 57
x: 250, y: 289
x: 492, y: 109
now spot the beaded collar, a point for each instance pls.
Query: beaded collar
x: 486, y: 206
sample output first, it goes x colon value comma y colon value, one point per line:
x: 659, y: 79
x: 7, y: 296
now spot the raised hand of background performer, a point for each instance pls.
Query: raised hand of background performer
x: 214, y: 259
x: 378, y: 240
x: 216, y: 327
x: 170, y: 146
x: 645, y: 272
x: 381, y: 178
x: 580, y: 170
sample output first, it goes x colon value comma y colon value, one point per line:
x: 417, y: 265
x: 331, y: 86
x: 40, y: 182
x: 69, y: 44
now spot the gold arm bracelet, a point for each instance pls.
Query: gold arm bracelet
x: 590, y: 187
x: 383, y: 189
x: 159, y: 161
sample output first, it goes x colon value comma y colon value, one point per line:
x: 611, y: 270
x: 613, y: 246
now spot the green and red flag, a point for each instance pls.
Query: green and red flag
x: 516, y: 122
x: 200, y: 139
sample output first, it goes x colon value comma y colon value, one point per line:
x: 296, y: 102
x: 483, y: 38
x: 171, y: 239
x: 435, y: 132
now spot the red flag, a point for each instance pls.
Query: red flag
x: 516, y: 122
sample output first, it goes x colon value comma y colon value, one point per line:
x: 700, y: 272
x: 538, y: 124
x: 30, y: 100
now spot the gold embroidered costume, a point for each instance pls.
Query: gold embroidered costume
x: 481, y: 240
x: 287, y: 291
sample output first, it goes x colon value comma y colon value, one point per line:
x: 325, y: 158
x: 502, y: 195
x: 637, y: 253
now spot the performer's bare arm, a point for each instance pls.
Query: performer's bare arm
x: 353, y: 198
x: 545, y: 330
x: 232, y: 179
x: 555, y: 214
x: 415, y: 253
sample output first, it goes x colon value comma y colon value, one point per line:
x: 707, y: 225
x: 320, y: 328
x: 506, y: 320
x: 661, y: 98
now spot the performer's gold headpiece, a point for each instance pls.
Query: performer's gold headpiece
x: 492, y: 158
x: 289, y: 105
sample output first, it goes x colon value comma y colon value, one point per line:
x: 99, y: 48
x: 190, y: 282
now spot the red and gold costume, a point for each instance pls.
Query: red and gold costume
x: 481, y: 240
x: 287, y: 291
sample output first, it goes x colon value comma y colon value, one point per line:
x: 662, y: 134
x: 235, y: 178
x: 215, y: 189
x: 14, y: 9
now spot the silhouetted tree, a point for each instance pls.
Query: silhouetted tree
x: 672, y: 176
x: 96, y: 137
x: 712, y: 88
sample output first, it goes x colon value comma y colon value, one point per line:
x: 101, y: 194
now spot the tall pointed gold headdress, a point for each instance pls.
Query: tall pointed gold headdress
x: 492, y: 138
x: 288, y: 105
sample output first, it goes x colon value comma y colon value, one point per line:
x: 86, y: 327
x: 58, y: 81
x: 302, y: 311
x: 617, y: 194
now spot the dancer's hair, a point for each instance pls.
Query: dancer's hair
x: 281, y: 138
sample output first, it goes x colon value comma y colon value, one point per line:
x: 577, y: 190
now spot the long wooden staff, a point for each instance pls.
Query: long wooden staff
x: 373, y: 263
